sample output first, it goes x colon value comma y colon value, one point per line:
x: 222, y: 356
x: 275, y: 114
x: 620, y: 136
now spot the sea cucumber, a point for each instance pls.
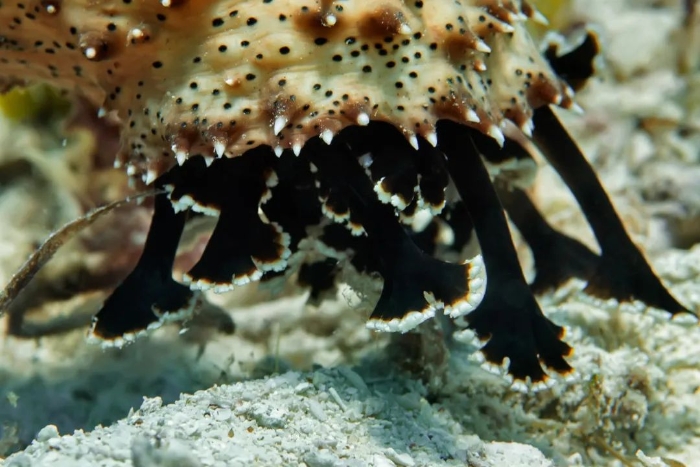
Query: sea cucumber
x: 334, y: 124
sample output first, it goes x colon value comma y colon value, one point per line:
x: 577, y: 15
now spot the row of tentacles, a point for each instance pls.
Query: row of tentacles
x: 354, y: 202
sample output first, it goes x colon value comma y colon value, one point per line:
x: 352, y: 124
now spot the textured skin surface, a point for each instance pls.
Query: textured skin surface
x: 219, y: 78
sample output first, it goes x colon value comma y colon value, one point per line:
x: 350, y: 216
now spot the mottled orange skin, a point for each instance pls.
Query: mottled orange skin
x: 221, y: 77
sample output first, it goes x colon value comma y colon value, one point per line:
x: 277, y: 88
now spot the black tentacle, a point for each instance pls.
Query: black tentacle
x: 509, y: 316
x: 415, y: 284
x: 320, y: 277
x: 576, y: 66
x: 149, y: 291
x: 557, y: 256
x: 622, y: 272
x: 242, y: 246
x: 294, y: 204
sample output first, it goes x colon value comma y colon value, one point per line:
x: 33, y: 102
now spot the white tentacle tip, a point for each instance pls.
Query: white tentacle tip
x: 181, y: 157
x: 472, y: 116
x: 481, y: 46
x: 577, y: 108
x: 327, y: 136
x: 413, y: 141
x: 219, y: 148
x: 150, y: 176
x: 538, y: 17
x: 496, y: 133
x: 279, y: 124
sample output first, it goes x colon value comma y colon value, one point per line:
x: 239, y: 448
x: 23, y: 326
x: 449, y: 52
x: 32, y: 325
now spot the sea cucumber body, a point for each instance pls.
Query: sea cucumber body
x: 219, y: 78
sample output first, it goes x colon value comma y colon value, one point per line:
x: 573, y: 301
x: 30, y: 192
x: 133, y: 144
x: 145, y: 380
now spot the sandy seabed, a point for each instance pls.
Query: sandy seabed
x: 301, y: 386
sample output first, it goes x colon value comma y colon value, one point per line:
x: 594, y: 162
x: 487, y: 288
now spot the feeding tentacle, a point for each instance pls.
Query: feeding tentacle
x: 242, y: 246
x: 623, y: 272
x: 149, y: 293
x: 415, y: 284
x: 557, y: 256
x: 294, y: 203
x: 508, y: 316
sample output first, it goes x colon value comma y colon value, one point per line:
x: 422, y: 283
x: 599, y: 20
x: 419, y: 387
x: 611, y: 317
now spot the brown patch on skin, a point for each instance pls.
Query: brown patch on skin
x: 312, y: 24
x: 423, y: 128
x: 281, y: 105
x: 326, y: 123
x: 138, y: 35
x: 182, y: 139
x: 219, y: 138
x: 503, y: 10
x: 159, y: 166
x: 542, y: 91
x: 518, y: 114
x: 94, y: 46
x: 484, y: 24
x: 384, y: 21
x: 460, y: 47
x: 485, y: 122
x: 329, y: 12
x: 528, y: 10
x: 452, y: 106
